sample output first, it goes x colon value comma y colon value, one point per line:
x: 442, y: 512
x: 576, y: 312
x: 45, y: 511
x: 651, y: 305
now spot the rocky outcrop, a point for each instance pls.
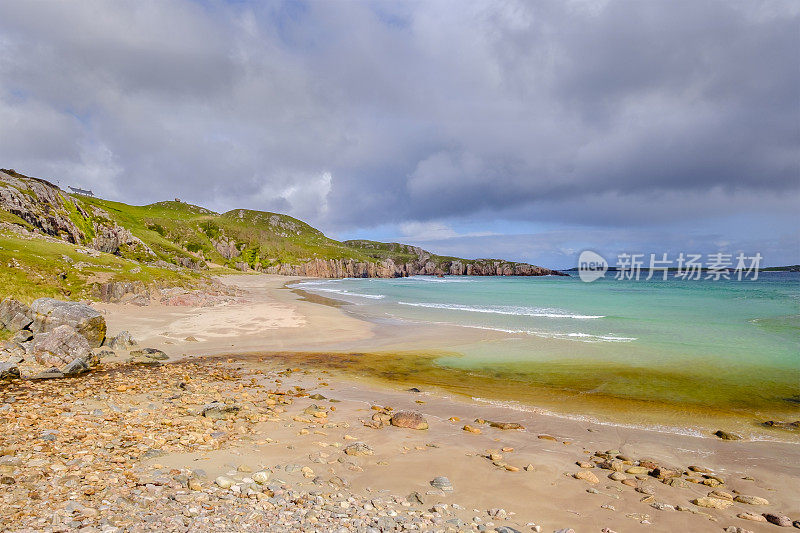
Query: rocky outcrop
x: 54, y: 213
x: 48, y: 314
x: 122, y: 291
x: 225, y: 247
x: 348, y: 268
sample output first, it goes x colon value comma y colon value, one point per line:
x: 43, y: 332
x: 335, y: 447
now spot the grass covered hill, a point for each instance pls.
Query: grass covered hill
x: 42, y: 228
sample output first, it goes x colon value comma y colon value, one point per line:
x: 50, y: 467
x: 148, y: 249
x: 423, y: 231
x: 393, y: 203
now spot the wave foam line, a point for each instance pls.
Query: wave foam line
x: 348, y: 293
x: 583, y: 337
x: 503, y: 310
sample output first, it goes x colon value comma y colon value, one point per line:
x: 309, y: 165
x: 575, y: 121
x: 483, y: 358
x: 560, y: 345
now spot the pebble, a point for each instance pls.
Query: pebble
x: 712, y: 503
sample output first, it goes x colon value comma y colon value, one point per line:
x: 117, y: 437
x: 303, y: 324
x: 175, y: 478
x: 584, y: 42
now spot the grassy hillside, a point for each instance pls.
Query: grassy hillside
x: 32, y: 267
x: 58, y: 244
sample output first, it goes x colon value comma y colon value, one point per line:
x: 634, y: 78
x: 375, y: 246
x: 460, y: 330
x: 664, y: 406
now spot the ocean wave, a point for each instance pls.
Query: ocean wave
x: 434, y: 279
x: 504, y: 310
x: 348, y: 293
x: 583, y: 337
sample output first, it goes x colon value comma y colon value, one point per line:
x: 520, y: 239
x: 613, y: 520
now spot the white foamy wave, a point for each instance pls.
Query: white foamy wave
x: 583, y: 337
x: 433, y: 279
x: 348, y: 293
x: 503, y: 310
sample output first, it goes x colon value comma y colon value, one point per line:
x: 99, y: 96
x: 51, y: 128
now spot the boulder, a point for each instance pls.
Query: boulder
x: 409, y: 419
x: 49, y: 314
x: 14, y: 315
x: 122, y: 341
x: 8, y: 371
x: 60, y: 346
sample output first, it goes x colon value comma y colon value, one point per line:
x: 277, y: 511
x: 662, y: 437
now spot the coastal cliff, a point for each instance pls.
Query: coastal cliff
x: 338, y: 268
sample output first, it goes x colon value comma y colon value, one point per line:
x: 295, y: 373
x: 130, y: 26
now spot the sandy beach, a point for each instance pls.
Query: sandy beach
x: 245, y: 351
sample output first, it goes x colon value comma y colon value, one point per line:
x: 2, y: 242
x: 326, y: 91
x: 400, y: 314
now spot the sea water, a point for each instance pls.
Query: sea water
x: 693, y: 345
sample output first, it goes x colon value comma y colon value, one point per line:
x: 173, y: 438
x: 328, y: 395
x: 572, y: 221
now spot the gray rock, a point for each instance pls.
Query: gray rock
x: 506, y: 529
x: 219, y: 410
x: 122, y: 341
x: 23, y: 335
x: 50, y: 373
x: 778, y: 520
x: 151, y: 353
x: 49, y: 314
x: 8, y: 371
x: 60, y: 346
x: 14, y: 315
x: 75, y: 367
x: 442, y: 483
x: 147, y: 356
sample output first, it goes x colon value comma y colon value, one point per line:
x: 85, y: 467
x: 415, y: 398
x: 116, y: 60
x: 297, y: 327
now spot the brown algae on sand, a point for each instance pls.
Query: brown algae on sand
x: 566, y: 388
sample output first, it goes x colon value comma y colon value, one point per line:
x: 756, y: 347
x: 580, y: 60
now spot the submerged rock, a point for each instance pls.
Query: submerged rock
x: 724, y: 435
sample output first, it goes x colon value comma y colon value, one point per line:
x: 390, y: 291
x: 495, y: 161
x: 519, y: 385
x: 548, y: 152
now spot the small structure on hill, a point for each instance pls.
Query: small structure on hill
x: 83, y: 192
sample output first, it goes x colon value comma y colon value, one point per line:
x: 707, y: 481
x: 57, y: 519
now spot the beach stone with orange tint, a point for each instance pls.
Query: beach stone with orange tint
x: 409, y: 420
x: 587, y: 476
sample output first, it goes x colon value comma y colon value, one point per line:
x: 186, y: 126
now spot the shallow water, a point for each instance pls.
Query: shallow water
x: 645, y: 348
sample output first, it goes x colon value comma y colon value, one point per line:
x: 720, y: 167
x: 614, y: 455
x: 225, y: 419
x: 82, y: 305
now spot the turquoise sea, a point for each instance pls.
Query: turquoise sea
x: 692, y: 348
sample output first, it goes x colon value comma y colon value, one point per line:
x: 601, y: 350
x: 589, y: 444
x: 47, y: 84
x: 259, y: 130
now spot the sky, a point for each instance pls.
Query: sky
x: 527, y: 130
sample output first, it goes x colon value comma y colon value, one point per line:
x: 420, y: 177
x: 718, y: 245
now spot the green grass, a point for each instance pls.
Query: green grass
x: 31, y: 268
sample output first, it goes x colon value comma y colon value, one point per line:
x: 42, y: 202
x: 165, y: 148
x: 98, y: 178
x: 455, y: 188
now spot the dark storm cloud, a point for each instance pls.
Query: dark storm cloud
x: 357, y: 114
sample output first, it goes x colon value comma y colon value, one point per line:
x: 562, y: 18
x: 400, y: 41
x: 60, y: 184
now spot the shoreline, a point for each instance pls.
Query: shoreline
x: 323, y: 325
